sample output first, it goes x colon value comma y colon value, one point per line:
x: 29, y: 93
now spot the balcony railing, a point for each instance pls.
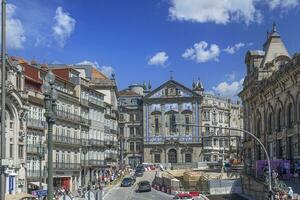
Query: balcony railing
x: 66, y: 166
x: 66, y: 140
x: 72, y: 117
x: 32, y: 148
x: 85, y: 142
x: 94, y: 162
x: 95, y: 102
x: 95, y: 142
x: 35, y: 173
x: 36, y: 123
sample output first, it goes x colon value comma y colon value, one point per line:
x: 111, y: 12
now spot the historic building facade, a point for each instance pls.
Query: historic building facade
x: 15, y: 131
x: 271, y: 100
x: 131, y: 124
x: 169, y: 104
x: 218, y: 143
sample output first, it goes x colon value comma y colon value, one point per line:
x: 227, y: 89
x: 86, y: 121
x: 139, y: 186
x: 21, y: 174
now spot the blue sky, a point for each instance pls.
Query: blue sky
x: 142, y: 40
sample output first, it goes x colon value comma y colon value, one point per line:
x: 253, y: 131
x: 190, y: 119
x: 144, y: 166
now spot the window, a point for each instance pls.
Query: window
x: 207, y: 129
x: 188, y: 158
x: 279, y: 119
x: 131, y: 117
x: 122, y: 131
x: 137, y: 130
x: 214, y: 117
x: 131, y: 146
x: 166, y: 92
x: 121, y: 117
x: 290, y: 116
x: 270, y: 119
x: 172, y: 156
x: 215, y: 142
x: 137, y: 117
x: 21, y: 151
x: 131, y: 131
x: 187, y: 121
x: 157, y: 158
x: 220, y: 117
x: 11, y: 150
x: 156, y: 125
x: 172, y: 120
x: 258, y: 127
x: 138, y: 146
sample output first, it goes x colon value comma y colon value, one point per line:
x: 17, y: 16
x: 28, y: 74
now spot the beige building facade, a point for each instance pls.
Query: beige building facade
x: 271, y: 101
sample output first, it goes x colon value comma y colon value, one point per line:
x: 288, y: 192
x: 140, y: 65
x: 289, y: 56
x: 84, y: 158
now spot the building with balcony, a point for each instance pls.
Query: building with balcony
x: 271, y: 100
x: 130, y: 103
x: 36, y: 126
x: 220, y: 144
x: 107, y: 86
x: 164, y: 142
x: 15, y: 127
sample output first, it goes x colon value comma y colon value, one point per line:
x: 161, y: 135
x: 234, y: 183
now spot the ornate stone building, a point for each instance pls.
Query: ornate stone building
x: 169, y: 104
x: 221, y: 112
x: 15, y: 131
x: 271, y: 100
x: 131, y: 124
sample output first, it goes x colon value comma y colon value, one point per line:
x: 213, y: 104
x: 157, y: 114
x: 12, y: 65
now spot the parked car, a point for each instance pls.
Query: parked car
x: 138, y: 173
x: 140, y: 168
x: 127, y: 182
x: 144, y: 186
x: 183, y: 196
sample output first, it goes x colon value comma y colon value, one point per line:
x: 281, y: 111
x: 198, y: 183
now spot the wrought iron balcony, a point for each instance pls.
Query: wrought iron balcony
x: 85, y: 142
x: 98, y: 103
x: 36, y: 123
x: 66, y: 140
x: 32, y: 148
x: 95, y: 162
x: 35, y: 173
x: 66, y: 166
x: 95, y: 142
x: 111, y: 156
x: 72, y: 117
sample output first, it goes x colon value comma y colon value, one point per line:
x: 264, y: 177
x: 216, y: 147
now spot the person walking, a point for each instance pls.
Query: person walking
x: 290, y: 193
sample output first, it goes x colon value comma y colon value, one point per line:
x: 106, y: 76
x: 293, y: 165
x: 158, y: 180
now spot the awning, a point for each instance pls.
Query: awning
x: 44, y: 185
x: 19, y: 196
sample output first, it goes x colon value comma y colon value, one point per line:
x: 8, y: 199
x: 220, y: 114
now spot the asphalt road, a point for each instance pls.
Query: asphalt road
x: 129, y: 193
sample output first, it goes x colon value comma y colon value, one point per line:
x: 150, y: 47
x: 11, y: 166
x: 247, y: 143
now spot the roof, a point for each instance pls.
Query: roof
x: 168, y: 82
x: 128, y: 93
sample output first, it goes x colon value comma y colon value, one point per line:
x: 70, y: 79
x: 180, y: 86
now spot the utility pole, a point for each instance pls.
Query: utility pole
x: 3, y: 89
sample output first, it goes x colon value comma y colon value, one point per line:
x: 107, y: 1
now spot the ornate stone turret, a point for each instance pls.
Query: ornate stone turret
x: 198, y: 86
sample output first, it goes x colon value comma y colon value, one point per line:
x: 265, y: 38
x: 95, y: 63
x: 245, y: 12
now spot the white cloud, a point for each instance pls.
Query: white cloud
x: 216, y: 11
x: 229, y: 89
x: 63, y: 27
x: 234, y: 48
x: 15, y: 31
x: 106, y: 70
x: 160, y: 58
x: 285, y: 4
x: 231, y: 76
x: 201, y: 52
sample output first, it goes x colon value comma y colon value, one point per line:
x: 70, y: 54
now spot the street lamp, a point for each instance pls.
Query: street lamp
x: 50, y: 97
x: 41, y: 153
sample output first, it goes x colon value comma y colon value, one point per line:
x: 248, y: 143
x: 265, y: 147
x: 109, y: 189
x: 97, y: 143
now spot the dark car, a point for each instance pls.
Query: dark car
x: 127, y: 182
x: 144, y: 186
x: 140, y: 168
x: 138, y: 173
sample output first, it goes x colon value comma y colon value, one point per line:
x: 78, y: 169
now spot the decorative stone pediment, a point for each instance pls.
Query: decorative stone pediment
x: 155, y: 150
x: 187, y: 150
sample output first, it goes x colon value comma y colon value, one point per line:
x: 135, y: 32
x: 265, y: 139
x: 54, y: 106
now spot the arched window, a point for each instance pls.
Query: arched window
x: 290, y: 115
x: 188, y: 158
x: 270, y: 119
x: 172, y: 156
x: 172, y: 123
x: 279, y: 119
x: 258, y: 127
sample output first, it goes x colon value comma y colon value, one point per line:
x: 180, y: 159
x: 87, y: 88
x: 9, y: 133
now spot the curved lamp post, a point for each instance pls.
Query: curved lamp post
x: 253, y: 136
x: 50, y: 97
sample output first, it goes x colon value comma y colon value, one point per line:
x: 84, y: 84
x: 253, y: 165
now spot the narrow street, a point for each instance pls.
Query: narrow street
x: 129, y: 193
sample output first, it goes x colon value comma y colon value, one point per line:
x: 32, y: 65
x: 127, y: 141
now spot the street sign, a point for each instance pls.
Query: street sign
x: 39, y: 193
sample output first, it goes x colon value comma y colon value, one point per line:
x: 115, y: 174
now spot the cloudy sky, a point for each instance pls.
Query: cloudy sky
x: 145, y: 40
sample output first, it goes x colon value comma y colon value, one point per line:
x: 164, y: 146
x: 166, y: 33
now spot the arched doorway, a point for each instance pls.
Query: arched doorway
x: 172, y: 156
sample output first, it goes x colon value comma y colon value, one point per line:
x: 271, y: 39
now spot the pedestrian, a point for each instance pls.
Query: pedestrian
x: 290, y: 193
